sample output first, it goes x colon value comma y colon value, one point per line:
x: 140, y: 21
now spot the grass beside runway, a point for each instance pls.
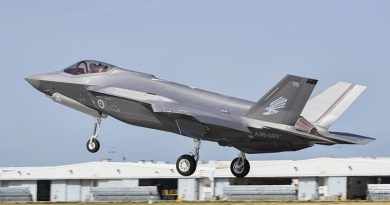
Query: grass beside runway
x: 215, y: 203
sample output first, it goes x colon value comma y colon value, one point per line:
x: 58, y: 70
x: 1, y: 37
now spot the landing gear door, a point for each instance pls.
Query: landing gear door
x: 190, y: 128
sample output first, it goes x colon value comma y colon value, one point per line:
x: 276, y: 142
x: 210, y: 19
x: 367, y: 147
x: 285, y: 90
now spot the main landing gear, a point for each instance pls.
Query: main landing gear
x: 186, y: 164
x: 240, y: 166
x: 93, y: 144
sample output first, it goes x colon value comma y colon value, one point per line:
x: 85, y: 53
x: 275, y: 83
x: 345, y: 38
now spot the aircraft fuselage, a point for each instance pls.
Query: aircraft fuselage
x: 139, y: 114
x: 273, y: 124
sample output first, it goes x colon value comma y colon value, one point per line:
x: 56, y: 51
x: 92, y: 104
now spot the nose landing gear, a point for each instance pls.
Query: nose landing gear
x: 186, y: 164
x: 93, y: 144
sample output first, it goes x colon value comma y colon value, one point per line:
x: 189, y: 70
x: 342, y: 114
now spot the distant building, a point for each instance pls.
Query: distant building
x: 312, y: 179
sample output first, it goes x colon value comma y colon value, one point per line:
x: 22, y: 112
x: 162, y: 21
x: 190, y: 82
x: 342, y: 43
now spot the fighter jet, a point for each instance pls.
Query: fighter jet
x: 284, y: 119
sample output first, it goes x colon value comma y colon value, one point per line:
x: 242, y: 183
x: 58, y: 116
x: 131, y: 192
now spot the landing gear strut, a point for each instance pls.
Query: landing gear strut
x: 186, y: 164
x: 240, y: 166
x: 93, y: 144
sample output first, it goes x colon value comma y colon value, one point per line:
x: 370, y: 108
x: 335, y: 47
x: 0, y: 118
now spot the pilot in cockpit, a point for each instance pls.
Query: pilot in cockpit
x: 86, y: 67
x: 93, y: 68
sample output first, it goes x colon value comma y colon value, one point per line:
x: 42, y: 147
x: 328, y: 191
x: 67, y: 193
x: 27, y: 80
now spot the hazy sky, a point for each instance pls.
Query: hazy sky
x: 238, y: 48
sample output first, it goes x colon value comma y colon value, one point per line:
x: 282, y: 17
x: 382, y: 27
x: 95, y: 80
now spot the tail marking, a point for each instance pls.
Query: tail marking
x: 279, y: 103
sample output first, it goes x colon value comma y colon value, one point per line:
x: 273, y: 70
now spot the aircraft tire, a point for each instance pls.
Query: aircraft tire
x: 240, y: 173
x: 93, y: 146
x: 186, y: 165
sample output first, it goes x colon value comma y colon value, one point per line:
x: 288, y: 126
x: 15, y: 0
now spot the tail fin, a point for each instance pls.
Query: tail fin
x: 284, y: 103
x: 324, y: 109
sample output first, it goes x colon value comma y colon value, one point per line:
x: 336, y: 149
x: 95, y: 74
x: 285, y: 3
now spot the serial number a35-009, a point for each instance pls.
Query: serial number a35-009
x: 267, y: 135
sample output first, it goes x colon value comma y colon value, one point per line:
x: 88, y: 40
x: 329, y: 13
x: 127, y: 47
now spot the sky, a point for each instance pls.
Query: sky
x: 237, y: 48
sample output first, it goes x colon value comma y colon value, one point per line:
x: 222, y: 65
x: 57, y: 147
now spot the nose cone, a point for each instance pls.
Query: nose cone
x: 34, y: 81
x: 41, y: 82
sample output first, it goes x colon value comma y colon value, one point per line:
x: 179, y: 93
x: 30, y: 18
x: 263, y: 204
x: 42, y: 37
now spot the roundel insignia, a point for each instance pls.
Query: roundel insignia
x: 100, y: 103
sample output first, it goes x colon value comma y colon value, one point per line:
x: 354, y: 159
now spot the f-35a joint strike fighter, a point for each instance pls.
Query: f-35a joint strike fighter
x: 284, y: 119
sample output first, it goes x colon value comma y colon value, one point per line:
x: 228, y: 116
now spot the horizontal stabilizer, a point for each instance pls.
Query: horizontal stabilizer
x: 325, y: 108
x: 347, y: 138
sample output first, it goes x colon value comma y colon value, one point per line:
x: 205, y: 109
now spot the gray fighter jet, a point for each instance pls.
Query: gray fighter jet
x: 283, y: 120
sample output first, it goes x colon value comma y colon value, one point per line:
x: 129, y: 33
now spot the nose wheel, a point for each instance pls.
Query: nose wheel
x: 186, y: 164
x: 93, y: 145
x: 240, y: 166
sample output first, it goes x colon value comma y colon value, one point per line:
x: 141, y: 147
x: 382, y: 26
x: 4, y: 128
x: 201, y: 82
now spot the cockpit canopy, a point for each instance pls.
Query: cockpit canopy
x: 87, y: 67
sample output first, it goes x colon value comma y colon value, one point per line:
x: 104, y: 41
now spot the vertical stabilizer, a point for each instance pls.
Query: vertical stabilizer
x: 284, y: 103
x: 325, y: 108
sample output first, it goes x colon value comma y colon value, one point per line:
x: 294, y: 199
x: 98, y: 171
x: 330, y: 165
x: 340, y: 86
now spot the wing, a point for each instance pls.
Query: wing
x: 170, y: 107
